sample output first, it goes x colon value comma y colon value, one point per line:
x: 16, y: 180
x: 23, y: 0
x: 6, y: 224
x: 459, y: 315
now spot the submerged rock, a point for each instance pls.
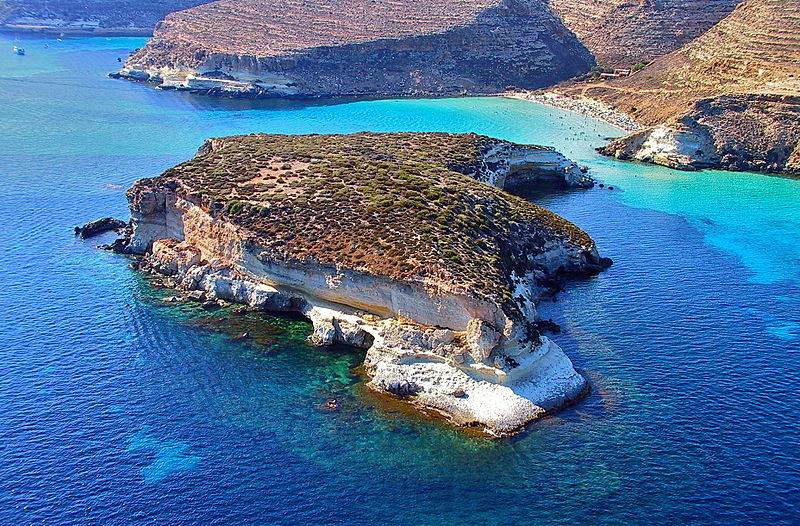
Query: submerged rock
x: 397, y: 243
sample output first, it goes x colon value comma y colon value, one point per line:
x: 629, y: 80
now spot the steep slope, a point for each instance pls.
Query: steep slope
x: 622, y: 33
x: 87, y: 15
x: 729, y: 99
x: 353, y: 47
x: 386, y: 241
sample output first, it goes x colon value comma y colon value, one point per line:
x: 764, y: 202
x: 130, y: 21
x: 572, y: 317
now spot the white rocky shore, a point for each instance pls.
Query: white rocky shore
x: 676, y: 146
x: 446, y: 363
x: 441, y: 347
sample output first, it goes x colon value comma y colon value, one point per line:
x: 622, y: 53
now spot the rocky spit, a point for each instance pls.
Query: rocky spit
x: 99, y: 226
x: 402, y: 244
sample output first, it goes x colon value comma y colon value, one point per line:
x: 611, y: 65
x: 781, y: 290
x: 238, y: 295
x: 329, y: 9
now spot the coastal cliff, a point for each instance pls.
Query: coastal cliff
x: 398, y: 243
x: 730, y: 99
x: 267, y: 48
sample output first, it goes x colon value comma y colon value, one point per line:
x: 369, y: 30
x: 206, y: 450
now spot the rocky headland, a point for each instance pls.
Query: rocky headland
x: 404, y: 244
x: 730, y: 99
x: 309, y: 48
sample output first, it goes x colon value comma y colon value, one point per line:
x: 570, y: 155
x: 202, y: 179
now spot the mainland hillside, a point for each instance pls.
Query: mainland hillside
x: 88, y: 14
x: 734, y: 92
x: 355, y: 47
x: 622, y: 33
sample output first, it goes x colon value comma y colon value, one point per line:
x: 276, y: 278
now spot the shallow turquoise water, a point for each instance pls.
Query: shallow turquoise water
x: 118, y: 409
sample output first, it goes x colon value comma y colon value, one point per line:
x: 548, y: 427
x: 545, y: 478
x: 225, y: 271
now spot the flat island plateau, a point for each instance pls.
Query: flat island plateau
x: 406, y: 244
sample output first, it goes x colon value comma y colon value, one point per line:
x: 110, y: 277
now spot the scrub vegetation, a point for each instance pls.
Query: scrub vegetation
x: 395, y: 204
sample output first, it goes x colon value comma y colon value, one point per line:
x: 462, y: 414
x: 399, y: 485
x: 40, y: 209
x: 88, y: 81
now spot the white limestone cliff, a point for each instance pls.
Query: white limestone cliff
x: 454, y: 353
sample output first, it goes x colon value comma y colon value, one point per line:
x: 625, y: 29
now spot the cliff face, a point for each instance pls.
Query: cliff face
x: 87, y: 15
x: 347, y: 230
x: 268, y: 48
x: 734, y: 92
x: 622, y: 33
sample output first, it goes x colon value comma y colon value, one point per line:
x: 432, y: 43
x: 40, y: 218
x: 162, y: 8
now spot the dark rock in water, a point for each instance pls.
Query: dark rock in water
x: 210, y: 305
x: 99, y: 226
x: 239, y: 311
x: 120, y: 245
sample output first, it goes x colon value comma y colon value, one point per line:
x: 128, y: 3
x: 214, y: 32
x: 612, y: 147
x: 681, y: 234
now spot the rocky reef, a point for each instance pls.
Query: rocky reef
x: 268, y: 48
x: 403, y: 244
x: 99, y: 226
x: 729, y: 99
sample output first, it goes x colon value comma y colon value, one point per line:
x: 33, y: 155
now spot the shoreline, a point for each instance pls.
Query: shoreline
x: 580, y: 105
x: 57, y: 31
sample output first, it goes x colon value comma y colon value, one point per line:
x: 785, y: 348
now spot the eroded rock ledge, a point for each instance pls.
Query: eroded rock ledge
x: 391, y: 242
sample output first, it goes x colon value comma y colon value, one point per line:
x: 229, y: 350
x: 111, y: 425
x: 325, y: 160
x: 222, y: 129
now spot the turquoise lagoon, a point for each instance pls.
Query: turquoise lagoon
x: 117, y: 409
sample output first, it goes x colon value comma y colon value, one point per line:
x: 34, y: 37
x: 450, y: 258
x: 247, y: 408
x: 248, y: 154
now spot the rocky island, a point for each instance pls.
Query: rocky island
x: 404, y: 244
x: 311, y: 48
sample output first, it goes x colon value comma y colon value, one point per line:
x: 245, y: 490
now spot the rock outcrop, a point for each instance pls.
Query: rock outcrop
x: 730, y: 99
x: 98, y: 226
x: 759, y: 133
x: 390, y: 242
x: 268, y: 48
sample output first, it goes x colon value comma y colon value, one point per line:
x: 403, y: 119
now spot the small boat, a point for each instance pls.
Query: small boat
x: 18, y: 50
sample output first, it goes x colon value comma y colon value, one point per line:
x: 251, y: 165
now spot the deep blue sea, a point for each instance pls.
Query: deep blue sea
x: 117, y: 409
